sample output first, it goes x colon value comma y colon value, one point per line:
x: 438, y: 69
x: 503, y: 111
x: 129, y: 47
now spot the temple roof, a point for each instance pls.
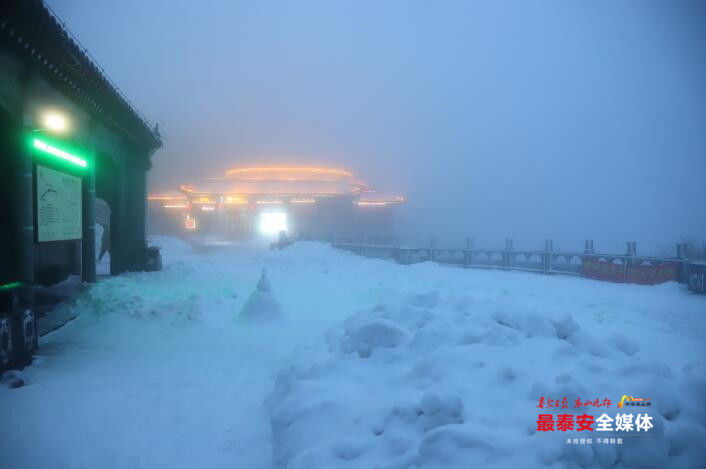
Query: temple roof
x: 246, y: 183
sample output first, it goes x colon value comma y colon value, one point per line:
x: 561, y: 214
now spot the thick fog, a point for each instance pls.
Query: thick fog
x: 530, y: 120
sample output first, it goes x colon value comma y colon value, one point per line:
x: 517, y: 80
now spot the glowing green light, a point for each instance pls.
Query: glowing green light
x: 45, y: 147
x: 9, y: 286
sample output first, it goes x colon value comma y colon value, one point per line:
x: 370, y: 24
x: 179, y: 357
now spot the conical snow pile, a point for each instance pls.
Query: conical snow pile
x: 262, y: 305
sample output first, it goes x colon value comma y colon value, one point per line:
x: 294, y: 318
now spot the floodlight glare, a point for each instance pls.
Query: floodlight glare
x: 55, y: 122
x: 271, y: 223
x: 45, y: 147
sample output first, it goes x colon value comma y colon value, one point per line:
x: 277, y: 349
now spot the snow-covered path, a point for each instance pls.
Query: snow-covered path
x: 156, y: 371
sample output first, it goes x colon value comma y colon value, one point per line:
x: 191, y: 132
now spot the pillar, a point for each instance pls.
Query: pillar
x: 547, y: 255
x: 468, y: 253
x: 117, y: 222
x: 681, y: 251
x: 507, y: 255
x: 632, y: 248
x: 88, y: 243
x: 631, y: 252
x: 682, y: 263
x: 24, y: 206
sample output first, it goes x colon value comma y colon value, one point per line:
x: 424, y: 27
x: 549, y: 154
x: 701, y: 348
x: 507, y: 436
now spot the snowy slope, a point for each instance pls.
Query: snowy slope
x: 375, y: 365
x: 452, y: 379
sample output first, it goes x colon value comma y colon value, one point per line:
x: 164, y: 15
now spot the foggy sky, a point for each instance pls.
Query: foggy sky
x: 531, y: 120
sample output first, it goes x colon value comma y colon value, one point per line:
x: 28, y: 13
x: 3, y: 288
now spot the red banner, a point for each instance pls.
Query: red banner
x: 642, y: 274
x: 652, y: 274
x: 602, y: 270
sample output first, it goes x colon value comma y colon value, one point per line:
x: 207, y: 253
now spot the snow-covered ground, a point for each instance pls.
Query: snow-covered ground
x: 375, y: 365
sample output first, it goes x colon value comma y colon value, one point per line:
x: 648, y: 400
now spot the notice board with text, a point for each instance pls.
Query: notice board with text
x: 58, y: 205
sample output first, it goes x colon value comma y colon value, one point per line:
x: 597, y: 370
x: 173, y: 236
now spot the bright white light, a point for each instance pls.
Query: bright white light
x: 55, y: 122
x: 271, y: 223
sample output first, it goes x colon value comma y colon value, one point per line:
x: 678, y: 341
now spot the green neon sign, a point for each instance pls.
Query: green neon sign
x: 58, y: 152
x: 10, y: 286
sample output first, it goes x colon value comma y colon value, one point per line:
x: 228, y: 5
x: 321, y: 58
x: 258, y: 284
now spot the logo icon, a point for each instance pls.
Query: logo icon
x: 643, y: 401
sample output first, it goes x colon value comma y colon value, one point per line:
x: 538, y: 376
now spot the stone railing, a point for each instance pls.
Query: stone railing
x: 629, y: 267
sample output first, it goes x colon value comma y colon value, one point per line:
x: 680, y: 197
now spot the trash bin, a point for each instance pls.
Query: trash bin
x: 6, y: 351
x: 18, y: 331
x: 154, y: 259
x: 24, y: 337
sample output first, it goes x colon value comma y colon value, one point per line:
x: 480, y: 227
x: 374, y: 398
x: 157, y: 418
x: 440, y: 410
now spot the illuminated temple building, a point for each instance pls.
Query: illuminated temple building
x: 301, y: 201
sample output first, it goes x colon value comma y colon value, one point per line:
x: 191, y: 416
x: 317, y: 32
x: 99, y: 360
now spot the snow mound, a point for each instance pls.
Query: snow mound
x: 427, y: 299
x: 625, y: 345
x: 436, y: 411
x: 565, y: 326
x: 262, y: 304
x: 374, y: 334
x: 455, y: 446
x: 435, y: 381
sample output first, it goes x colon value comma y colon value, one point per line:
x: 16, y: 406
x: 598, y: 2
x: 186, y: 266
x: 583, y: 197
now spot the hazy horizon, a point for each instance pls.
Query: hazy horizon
x: 549, y: 120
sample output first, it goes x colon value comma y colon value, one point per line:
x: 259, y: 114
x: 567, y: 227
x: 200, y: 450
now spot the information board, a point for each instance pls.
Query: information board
x: 58, y: 205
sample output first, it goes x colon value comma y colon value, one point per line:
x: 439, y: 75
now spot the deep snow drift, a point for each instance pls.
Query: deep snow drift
x: 375, y: 365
